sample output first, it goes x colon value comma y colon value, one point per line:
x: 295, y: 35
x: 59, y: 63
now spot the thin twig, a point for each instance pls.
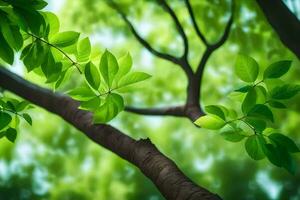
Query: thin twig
x: 60, y: 50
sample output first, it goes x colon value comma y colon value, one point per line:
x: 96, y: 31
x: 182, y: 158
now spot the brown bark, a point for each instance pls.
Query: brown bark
x: 162, y: 171
x: 284, y: 22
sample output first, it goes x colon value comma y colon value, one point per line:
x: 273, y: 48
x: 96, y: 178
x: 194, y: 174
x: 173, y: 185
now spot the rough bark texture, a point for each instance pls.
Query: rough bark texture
x: 163, y: 172
x: 284, y: 22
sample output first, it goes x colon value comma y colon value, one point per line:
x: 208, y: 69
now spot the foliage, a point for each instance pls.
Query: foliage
x: 256, y: 118
x: 52, y: 54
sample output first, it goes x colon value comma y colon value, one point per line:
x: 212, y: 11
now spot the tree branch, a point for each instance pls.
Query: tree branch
x: 163, y: 172
x: 211, y: 48
x: 140, y: 39
x: 196, y: 27
x: 284, y: 22
x: 179, y: 27
x: 182, y: 62
x: 177, y: 111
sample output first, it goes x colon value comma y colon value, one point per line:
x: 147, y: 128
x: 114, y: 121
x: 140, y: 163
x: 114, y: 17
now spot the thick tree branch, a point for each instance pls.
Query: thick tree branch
x: 284, y: 22
x: 177, y: 111
x: 196, y: 27
x: 163, y: 172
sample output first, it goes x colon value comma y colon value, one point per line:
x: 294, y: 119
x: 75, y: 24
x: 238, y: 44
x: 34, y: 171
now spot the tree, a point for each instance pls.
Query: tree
x: 55, y: 63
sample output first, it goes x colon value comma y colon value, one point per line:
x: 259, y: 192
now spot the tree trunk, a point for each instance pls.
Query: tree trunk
x: 162, y: 171
x: 284, y: 22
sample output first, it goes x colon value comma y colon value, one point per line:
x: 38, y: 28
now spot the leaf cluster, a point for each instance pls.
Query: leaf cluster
x: 255, y: 118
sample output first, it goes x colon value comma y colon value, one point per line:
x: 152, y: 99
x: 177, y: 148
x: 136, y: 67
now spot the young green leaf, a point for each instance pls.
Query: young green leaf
x: 276, y: 104
x: 21, y: 106
x: 5, y: 119
x: 82, y: 93
x: 92, y: 75
x: 210, y: 122
x: 117, y: 101
x: 246, y: 68
x: 53, y: 22
x: 277, y: 69
x: 11, y: 134
x: 261, y: 94
x: 27, y: 118
x: 91, y: 104
x: 280, y: 157
x: 258, y: 124
x: 233, y: 135
x: 83, y: 50
x: 216, y: 110
x: 285, y: 142
x: 285, y: 92
x: 133, y: 77
x: 6, y: 53
x: 113, y: 105
x: 64, y: 39
x: 254, y: 147
x: 261, y: 111
x: 125, y: 64
x: 249, y: 101
x: 244, y: 89
x: 11, y: 33
x: 108, y: 67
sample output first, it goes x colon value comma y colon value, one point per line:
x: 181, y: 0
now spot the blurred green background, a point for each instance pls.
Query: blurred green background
x: 52, y: 160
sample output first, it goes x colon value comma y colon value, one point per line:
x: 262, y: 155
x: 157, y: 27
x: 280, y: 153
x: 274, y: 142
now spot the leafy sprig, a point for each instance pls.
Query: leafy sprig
x: 51, y: 54
x: 256, y: 113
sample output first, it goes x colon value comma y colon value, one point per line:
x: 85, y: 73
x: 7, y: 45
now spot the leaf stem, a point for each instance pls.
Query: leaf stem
x: 60, y: 50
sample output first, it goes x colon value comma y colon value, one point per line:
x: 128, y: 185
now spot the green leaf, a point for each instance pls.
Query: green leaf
x: 285, y: 142
x: 215, y: 110
x: 277, y: 104
x: 64, y: 39
x: 27, y: 118
x: 249, y: 101
x: 91, y: 104
x: 233, y: 135
x: 6, y: 53
x: 34, y: 55
x: 261, y: 111
x: 113, y: 105
x: 285, y: 92
x: 21, y: 106
x: 2, y: 134
x: 246, y: 68
x: 253, y: 147
x: 280, y: 157
x: 82, y: 94
x: 133, y: 77
x: 92, y: 75
x: 11, y: 33
x: 5, y: 119
x: 83, y: 50
x: 244, y: 89
x: 210, y: 122
x: 272, y: 154
x: 117, y: 101
x: 53, y: 22
x: 125, y: 64
x: 31, y: 19
x: 51, y: 69
x: 258, y: 124
x: 261, y: 94
x: 277, y: 69
x: 108, y: 67
x: 11, y: 134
